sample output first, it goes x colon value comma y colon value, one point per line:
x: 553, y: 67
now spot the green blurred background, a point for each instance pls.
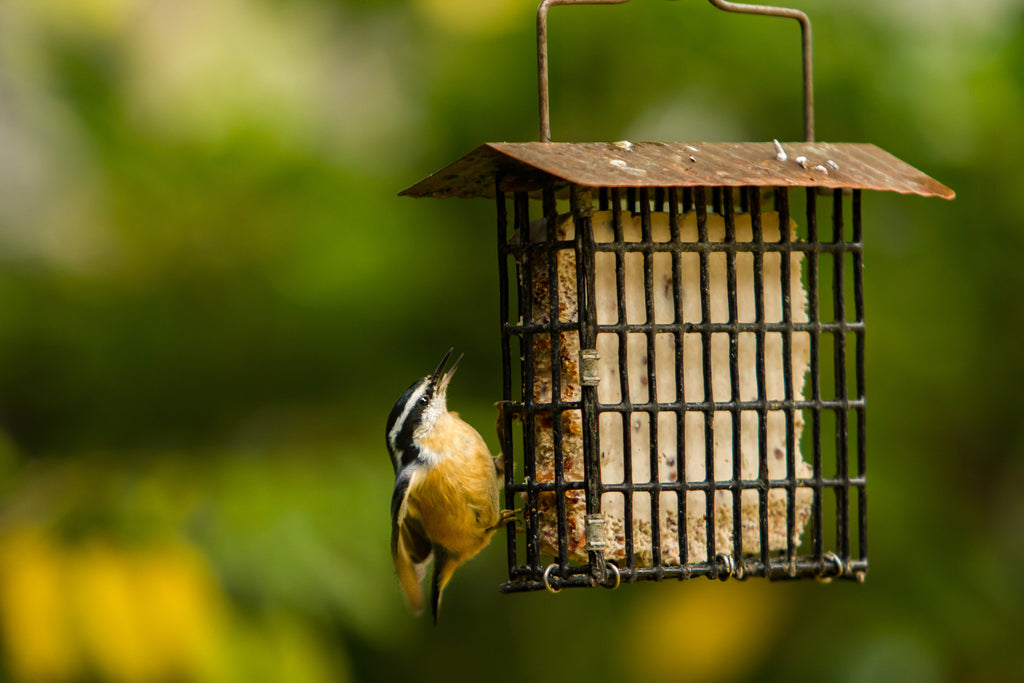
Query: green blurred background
x: 210, y: 296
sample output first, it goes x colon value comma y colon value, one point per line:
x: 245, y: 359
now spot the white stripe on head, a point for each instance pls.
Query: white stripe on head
x: 414, y: 398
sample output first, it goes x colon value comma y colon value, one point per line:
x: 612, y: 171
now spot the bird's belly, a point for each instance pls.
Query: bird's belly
x: 456, y: 513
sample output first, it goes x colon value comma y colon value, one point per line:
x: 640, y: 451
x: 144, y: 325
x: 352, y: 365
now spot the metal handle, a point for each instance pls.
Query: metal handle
x: 542, y: 56
x: 743, y: 8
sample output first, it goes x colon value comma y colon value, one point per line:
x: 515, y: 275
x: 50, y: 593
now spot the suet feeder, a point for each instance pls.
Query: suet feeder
x: 682, y: 343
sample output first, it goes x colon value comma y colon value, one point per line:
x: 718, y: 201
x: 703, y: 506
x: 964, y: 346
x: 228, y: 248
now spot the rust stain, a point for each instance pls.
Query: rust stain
x: 531, y: 165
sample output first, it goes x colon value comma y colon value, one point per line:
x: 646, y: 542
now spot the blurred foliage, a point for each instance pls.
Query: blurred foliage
x: 211, y: 296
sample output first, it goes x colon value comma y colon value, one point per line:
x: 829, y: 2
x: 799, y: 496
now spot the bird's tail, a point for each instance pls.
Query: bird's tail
x: 444, y: 567
x: 410, y: 575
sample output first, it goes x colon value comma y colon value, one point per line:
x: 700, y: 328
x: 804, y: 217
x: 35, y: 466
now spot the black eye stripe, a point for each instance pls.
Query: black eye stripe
x: 398, y: 412
x: 405, y: 417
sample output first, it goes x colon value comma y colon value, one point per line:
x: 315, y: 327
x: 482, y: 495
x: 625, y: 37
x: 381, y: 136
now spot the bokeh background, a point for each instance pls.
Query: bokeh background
x: 210, y: 296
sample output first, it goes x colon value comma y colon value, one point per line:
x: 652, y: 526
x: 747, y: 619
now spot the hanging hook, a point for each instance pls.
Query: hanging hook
x: 806, y: 50
x: 542, y: 56
x: 542, y: 53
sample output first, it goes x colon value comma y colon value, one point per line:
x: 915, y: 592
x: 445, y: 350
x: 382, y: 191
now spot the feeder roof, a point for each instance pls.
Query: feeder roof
x: 528, y: 166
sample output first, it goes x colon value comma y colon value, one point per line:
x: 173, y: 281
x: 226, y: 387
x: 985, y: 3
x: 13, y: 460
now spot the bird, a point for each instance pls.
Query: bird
x: 444, y: 506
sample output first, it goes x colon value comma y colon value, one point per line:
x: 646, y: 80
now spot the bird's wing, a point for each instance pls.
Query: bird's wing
x: 399, y: 505
x: 410, y: 548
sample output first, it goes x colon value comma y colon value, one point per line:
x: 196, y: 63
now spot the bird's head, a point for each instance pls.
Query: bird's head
x: 416, y: 412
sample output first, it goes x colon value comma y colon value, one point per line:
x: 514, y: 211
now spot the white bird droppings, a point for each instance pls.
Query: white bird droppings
x: 781, y: 153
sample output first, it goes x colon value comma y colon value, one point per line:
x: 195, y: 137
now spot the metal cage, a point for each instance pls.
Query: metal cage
x: 682, y: 342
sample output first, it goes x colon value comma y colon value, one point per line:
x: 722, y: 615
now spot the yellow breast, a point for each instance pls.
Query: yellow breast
x: 456, y: 499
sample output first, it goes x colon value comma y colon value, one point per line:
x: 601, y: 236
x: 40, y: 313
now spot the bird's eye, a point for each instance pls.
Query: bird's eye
x: 424, y: 400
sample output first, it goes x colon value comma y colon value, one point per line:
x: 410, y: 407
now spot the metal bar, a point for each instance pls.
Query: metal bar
x: 757, y: 236
x: 786, y: 287
x: 730, y: 485
x: 821, y: 248
x: 506, y: 368
x: 521, y: 218
x: 814, y: 316
x: 734, y: 372
x: 858, y: 299
x: 680, y: 399
x: 839, y: 348
x: 652, y: 380
x: 581, y: 206
x: 618, y: 239
x: 550, y: 213
x: 542, y: 57
x: 701, y: 207
x: 806, y: 568
x: 806, y: 50
x: 696, y: 328
x: 704, y: 406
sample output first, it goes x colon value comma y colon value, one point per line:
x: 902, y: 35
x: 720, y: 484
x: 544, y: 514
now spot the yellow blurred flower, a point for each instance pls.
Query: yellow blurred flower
x: 145, y: 615
x: 125, y: 615
x: 702, y: 632
x: 34, y: 625
x: 185, y: 611
x: 108, y: 617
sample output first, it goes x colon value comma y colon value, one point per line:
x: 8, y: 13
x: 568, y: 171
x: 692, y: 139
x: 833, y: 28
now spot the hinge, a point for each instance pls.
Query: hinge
x: 588, y: 367
x: 595, y: 533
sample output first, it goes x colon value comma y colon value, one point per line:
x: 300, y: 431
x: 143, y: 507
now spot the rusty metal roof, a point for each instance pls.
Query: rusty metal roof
x: 530, y: 165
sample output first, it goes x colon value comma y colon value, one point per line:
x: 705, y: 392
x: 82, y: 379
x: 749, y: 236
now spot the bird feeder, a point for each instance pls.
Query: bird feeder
x: 682, y: 343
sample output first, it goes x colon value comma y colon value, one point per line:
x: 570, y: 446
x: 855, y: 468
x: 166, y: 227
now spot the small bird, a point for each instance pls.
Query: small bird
x: 445, y: 502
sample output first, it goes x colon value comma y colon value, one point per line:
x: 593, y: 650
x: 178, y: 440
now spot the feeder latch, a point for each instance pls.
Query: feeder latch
x: 595, y: 533
x: 588, y: 367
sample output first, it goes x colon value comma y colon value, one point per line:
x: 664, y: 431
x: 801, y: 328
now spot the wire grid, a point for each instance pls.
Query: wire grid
x: 834, y: 542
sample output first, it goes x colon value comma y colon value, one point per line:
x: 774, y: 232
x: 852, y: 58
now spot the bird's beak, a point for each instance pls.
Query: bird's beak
x: 443, y: 386
x: 435, y: 377
x: 439, y: 381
